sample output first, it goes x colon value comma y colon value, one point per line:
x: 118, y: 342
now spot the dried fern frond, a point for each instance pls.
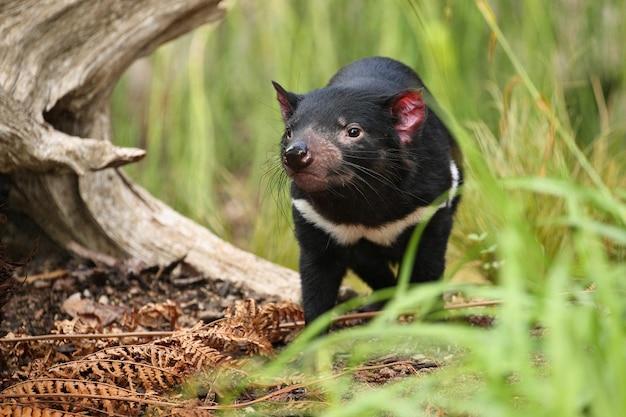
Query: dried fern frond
x: 153, y: 316
x: 202, y: 356
x: 27, y: 358
x: 234, y: 339
x: 229, y: 338
x: 137, y: 377
x: 125, y: 379
x: 75, y: 326
x: 15, y: 410
x: 148, y: 368
x: 81, y: 326
x: 272, y: 316
x: 76, y: 395
x: 243, y: 311
x: 149, y: 353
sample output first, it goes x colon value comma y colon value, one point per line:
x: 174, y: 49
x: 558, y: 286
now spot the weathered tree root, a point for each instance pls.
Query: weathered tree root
x: 59, y: 62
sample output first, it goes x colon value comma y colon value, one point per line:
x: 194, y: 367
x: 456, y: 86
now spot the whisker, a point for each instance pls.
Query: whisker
x: 383, y: 179
x: 351, y: 185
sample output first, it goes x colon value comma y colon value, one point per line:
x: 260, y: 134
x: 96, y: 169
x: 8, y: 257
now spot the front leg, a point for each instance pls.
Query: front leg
x: 373, y: 268
x: 378, y: 276
x: 320, y: 274
x: 322, y: 267
x: 367, y: 261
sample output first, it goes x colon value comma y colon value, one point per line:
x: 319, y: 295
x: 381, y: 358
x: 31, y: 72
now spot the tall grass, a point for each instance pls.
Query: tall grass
x: 535, y: 93
x: 205, y: 109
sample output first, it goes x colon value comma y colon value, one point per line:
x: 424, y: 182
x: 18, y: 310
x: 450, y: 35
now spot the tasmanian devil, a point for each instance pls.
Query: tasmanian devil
x: 367, y: 156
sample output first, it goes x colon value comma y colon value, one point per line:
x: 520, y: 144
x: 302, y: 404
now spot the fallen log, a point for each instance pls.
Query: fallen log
x: 59, y: 63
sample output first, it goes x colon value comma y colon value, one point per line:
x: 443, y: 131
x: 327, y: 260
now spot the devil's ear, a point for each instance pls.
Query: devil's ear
x: 287, y: 101
x: 409, y: 112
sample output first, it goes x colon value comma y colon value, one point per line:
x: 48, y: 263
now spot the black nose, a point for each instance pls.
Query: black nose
x: 297, y: 156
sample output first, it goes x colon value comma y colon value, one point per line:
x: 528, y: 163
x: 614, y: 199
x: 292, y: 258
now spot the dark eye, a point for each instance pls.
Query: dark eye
x: 288, y: 132
x: 354, y: 132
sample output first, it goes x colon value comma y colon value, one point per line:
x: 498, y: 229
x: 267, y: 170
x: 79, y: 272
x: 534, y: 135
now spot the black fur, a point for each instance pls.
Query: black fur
x: 389, y: 179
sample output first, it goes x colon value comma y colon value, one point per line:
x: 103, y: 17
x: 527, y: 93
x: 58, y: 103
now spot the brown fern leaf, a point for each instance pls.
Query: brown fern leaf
x: 232, y: 339
x: 74, y: 326
x: 159, y: 315
x: 147, y: 368
x: 149, y: 354
x: 81, y: 326
x: 14, y: 410
x: 195, y: 354
x: 242, y: 311
x: 137, y: 377
x: 272, y: 315
x: 203, y: 357
x: 265, y: 320
x: 226, y: 337
x: 76, y: 396
x: 22, y: 359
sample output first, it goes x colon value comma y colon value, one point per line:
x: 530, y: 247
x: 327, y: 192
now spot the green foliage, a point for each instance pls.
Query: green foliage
x: 535, y: 91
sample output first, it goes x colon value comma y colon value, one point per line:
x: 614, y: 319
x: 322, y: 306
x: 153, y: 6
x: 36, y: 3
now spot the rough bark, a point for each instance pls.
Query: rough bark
x: 59, y: 61
x: 30, y: 145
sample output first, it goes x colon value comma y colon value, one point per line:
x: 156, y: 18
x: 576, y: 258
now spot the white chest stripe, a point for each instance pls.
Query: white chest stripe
x: 346, y: 234
x: 386, y: 234
x: 454, y: 172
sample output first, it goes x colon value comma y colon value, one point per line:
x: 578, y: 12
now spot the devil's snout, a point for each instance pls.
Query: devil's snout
x: 297, y: 156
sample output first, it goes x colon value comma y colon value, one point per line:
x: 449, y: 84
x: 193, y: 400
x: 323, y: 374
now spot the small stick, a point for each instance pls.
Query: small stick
x: 293, y: 387
x: 91, y: 254
x: 44, y: 276
x: 134, y: 398
x: 472, y: 304
x: 84, y: 336
x: 295, y: 324
x: 371, y: 314
x: 256, y: 400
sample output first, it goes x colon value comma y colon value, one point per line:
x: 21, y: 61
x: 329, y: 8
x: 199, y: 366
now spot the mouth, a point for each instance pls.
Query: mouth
x: 309, y: 182
x: 313, y: 182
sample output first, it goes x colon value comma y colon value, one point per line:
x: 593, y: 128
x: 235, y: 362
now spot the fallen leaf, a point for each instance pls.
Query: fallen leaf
x: 77, y: 307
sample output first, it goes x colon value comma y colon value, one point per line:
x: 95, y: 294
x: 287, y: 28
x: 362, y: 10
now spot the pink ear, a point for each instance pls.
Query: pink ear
x: 410, y: 111
x: 286, y: 100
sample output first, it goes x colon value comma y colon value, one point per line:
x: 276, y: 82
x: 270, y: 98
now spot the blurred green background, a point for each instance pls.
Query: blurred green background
x: 204, y: 108
x: 535, y: 92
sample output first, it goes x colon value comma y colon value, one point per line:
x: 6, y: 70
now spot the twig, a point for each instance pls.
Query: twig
x: 129, y: 399
x: 44, y: 276
x: 296, y: 324
x: 472, y: 304
x: 117, y: 361
x: 303, y: 385
x: 371, y: 314
x: 356, y: 316
x: 47, y: 403
x: 84, y: 252
x: 86, y: 336
x: 256, y: 400
x: 148, y: 401
x: 374, y: 367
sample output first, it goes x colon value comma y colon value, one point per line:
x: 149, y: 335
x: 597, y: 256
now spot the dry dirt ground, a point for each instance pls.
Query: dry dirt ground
x: 39, y: 292
x: 206, y: 324
x: 44, y: 277
x: 74, y: 296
